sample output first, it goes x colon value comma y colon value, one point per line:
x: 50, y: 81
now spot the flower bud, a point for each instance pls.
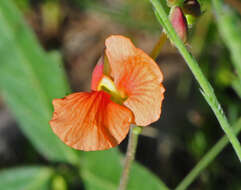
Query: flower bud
x: 192, y: 7
x: 179, y: 23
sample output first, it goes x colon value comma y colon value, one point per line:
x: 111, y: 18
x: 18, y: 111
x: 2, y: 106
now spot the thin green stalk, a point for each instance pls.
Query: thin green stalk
x: 206, y: 88
x: 207, y: 159
x: 157, y: 49
x: 130, y: 155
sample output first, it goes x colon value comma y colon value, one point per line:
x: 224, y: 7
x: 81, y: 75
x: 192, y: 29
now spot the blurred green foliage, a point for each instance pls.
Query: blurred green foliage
x: 30, y: 79
x: 26, y: 178
x: 134, y: 14
x: 23, y: 4
x: 229, y: 25
x: 106, y: 176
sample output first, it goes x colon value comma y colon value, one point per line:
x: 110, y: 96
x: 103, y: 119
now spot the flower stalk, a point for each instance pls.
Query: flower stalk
x: 157, y: 49
x: 135, y: 131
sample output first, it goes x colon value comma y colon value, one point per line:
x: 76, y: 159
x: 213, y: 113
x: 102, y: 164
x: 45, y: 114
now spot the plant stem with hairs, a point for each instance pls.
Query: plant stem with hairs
x: 206, y: 88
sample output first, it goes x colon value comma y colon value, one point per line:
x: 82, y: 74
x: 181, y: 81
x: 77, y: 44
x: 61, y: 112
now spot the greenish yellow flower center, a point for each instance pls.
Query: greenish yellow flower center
x: 107, y: 84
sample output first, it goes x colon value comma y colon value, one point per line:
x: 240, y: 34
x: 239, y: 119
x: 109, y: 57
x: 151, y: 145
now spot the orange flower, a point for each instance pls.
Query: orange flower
x: 126, y: 89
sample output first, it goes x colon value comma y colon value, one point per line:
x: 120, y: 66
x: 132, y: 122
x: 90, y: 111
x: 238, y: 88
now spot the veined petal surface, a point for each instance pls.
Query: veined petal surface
x: 120, y: 49
x: 138, y: 77
x: 90, y: 121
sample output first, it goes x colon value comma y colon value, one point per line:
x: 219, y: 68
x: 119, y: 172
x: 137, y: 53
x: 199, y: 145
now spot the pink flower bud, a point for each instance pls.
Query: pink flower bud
x: 179, y: 23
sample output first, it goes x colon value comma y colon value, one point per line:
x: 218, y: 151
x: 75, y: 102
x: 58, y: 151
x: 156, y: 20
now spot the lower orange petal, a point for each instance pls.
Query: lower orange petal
x: 90, y: 121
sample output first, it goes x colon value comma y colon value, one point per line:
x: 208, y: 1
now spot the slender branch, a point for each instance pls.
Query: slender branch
x: 206, y: 88
x: 207, y: 159
x: 130, y: 155
x: 156, y: 50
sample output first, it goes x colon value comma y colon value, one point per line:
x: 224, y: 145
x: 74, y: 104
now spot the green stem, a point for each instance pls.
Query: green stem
x: 206, y: 88
x: 207, y: 159
x: 130, y: 155
x: 157, y: 49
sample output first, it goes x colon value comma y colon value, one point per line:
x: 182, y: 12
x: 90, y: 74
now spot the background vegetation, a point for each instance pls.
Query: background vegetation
x: 49, y: 48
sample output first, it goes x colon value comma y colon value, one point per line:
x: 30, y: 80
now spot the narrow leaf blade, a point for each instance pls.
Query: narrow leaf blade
x: 29, y: 80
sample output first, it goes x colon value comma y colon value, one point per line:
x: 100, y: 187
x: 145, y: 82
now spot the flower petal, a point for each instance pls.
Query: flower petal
x: 97, y: 74
x: 120, y: 50
x: 90, y: 121
x: 137, y: 76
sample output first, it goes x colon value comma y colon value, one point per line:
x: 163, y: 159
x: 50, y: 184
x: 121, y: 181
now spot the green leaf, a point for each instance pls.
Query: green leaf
x: 26, y: 178
x: 102, y: 171
x: 29, y: 80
